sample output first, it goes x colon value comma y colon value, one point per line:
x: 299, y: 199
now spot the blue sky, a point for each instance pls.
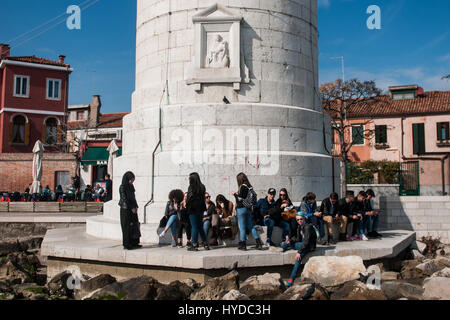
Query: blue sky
x: 413, y: 46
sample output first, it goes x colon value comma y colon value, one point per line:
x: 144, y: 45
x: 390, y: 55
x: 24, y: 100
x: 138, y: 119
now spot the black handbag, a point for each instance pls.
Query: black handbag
x: 135, y: 230
x: 163, y: 222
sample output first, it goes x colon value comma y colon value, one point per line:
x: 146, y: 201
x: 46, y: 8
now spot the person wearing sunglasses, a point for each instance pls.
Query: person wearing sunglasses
x: 208, y: 214
x: 273, y: 217
x: 303, y: 239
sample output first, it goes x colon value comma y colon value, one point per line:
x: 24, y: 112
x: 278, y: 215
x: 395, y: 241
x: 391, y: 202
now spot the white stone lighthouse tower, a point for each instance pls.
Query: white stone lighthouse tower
x: 222, y: 87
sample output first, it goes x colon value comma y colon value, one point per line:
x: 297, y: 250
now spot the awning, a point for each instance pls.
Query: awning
x: 97, y: 157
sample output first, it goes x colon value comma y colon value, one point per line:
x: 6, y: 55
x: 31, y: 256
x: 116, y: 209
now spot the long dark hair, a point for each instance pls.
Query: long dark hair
x: 243, y: 179
x: 225, y: 201
x: 176, y: 196
x: 127, y: 177
x: 287, y: 195
x: 195, y: 184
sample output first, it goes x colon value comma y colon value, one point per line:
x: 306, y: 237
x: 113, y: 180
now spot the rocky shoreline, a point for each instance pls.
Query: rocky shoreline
x: 413, y: 277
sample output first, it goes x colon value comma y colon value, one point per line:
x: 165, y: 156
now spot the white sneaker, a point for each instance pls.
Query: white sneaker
x: 364, y: 237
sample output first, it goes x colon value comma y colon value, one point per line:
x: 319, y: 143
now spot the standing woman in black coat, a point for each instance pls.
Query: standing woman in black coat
x: 196, y: 206
x: 128, y: 213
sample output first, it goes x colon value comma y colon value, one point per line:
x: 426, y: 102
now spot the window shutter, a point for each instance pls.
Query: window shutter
x: 447, y: 131
x: 377, y: 134
x: 416, y: 138
x: 421, y: 138
x: 439, y: 130
x: 27, y: 134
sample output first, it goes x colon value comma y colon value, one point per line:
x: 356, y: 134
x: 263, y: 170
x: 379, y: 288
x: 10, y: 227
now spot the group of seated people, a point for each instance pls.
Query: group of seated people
x: 218, y: 217
x: 97, y: 194
x: 333, y: 211
x: 357, y: 213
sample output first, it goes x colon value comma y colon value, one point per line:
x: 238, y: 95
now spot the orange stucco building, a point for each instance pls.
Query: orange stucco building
x: 408, y: 125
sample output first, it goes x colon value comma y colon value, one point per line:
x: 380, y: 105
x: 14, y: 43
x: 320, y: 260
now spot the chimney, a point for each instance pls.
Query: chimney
x: 94, y: 111
x: 61, y: 59
x: 5, y: 50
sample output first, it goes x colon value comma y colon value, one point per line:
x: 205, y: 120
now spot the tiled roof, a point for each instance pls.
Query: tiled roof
x: 33, y: 59
x: 431, y: 102
x: 107, y: 120
x: 111, y: 120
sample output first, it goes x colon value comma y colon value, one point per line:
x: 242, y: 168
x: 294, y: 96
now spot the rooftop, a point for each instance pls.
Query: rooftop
x: 106, y: 120
x: 37, y: 60
x: 429, y: 102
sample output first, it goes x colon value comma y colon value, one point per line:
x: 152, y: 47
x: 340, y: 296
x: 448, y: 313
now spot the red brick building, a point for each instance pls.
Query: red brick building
x: 16, y: 170
x: 33, y: 106
x: 33, y: 101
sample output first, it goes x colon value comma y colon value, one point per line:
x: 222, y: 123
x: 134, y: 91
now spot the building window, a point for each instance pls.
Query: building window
x: 418, y: 138
x: 80, y: 116
x: 53, y: 89
x: 358, y: 135
x: 19, y: 130
x: 51, y: 131
x: 443, y: 133
x: 21, y: 86
x: 403, y: 95
x: 381, y: 134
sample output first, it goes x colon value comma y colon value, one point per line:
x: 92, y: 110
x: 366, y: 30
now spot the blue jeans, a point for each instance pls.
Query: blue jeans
x: 364, y: 225
x: 196, y: 223
x: 290, y: 246
x: 270, y: 223
x: 374, y: 222
x: 206, y: 226
x: 318, y: 223
x: 245, y: 223
x: 172, y: 225
x: 297, y: 266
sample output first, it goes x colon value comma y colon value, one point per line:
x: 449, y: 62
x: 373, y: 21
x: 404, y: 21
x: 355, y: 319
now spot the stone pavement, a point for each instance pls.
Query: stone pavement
x: 75, y: 244
x: 51, y: 217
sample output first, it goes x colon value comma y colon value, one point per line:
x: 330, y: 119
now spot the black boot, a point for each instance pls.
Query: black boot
x: 259, y: 244
x: 242, y: 246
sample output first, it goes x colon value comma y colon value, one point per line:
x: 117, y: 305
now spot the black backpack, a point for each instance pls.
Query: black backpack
x: 250, y: 201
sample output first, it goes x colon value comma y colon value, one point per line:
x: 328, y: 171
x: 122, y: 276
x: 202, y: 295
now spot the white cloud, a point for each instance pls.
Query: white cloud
x: 444, y: 58
x: 324, y: 3
x: 428, y: 79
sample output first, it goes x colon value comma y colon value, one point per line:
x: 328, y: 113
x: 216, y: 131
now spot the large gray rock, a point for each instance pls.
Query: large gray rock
x: 5, y: 286
x: 235, y: 295
x: 428, y: 267
x: 395, y: 290
x: 445, y: 273
x: 175, y: 291
x: 437, y: 288
x: 356, y: 290
x: 442, y: 262
x: 58, y: 285
x: 8, y: 246
x: 263, y: 287
x: 409, y: 270
x: 333, y: 271
x: 216, y: 288
x: 31, y: 292
x: 389, y: 276
x: 297, y: 292
x: 91, y: 285
x: 138, y: 289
